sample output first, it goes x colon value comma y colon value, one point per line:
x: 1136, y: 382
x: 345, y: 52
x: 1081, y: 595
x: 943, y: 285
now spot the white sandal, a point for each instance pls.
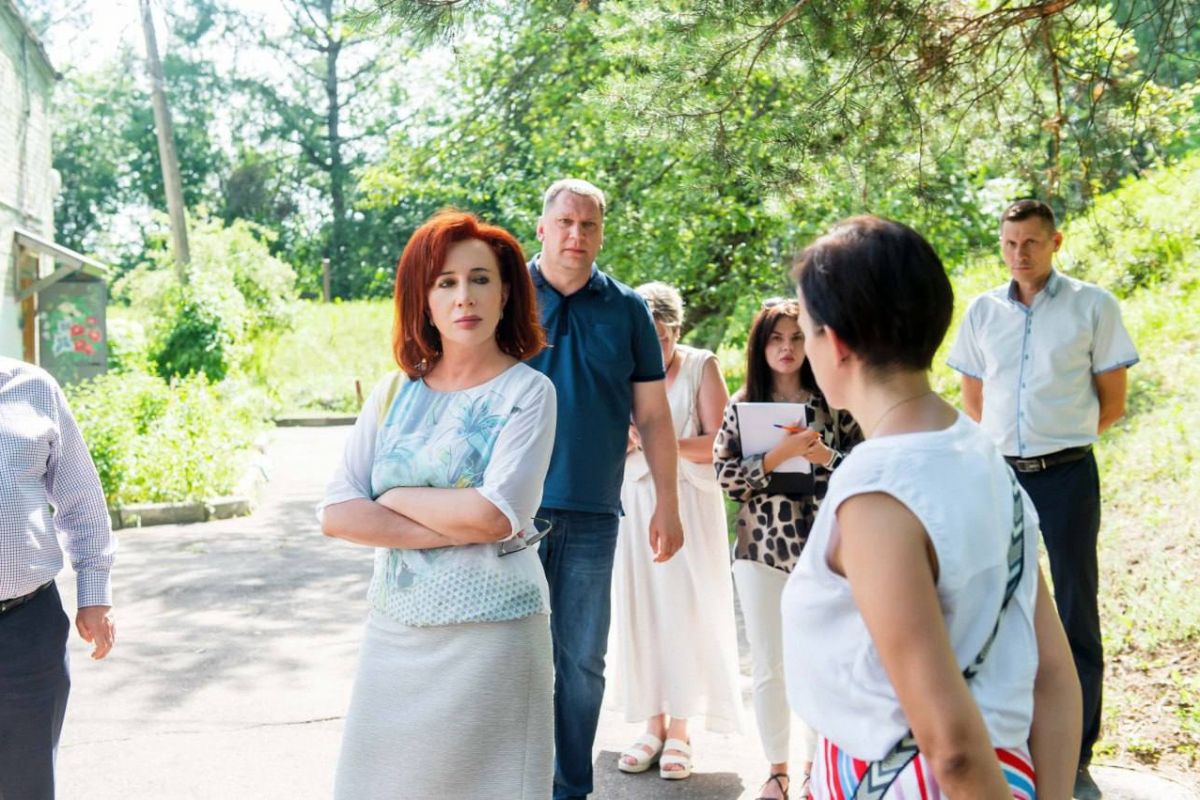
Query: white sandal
x: 643, y: 760
x: 683, y: 761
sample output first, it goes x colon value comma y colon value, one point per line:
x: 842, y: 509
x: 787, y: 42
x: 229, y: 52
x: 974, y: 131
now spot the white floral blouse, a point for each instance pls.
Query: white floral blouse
x: 497, y: 438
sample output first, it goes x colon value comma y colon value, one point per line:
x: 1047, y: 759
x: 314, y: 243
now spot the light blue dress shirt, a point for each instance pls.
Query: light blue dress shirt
x: 49, y: 491
x: 1037, y: 362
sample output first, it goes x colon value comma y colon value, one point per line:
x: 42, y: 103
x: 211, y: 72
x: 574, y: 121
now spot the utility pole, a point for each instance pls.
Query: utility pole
x: 172, y: 183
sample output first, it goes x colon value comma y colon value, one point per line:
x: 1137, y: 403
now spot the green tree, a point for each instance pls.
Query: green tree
x: 104, y: 141
x: 853, y: 106
x: 336, y: 100
x: 520, y: 112
x: 92, y: 112
x: 47, y: 17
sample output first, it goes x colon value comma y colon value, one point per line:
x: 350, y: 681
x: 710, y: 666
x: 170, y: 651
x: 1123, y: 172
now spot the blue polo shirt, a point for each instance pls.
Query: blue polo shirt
x: 602, y: 341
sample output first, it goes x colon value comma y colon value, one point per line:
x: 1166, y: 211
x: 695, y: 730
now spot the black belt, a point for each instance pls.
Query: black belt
x: 17, y: 602
x: 1049, y: 460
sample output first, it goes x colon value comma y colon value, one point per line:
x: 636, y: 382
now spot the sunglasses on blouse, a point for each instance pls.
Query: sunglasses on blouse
x: 540, y: 530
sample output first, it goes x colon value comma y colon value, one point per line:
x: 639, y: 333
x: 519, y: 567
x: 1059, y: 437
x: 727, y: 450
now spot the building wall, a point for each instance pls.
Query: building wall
x: 27, y: 182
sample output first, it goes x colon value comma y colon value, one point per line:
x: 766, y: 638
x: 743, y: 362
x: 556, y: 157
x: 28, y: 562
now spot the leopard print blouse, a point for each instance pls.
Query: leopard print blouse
x: 772, y: 528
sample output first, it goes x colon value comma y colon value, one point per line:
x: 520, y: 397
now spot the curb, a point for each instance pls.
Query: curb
x: 240, y: 504
x: 314, y: 421
x: 1130, y: 783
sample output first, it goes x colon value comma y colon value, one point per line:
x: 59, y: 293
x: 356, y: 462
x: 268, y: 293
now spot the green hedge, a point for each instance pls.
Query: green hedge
x: 154, y: 441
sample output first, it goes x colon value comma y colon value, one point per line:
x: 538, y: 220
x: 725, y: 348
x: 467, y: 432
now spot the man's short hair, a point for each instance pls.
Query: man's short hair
x: 574, y: 186
x: 1025, y: 209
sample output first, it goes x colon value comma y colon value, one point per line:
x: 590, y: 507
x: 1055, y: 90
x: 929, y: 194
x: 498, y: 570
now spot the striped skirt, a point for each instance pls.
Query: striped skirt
x: 836, y: 775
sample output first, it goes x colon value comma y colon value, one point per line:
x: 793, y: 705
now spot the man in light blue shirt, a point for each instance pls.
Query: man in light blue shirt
x: 44, y: 464
x: 1043, y: 361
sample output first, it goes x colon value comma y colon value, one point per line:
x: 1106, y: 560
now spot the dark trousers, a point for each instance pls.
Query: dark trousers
x: 34, y: 683
x: 1067, y: 498
x: 578, y: 559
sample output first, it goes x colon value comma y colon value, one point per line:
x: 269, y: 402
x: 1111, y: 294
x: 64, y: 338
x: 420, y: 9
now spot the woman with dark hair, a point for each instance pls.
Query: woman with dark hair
x: 932, y: 659
x: 772, y: 528
x: 442, y: 474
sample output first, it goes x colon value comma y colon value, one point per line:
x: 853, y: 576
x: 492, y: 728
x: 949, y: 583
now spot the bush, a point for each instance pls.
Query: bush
x: 236, y: 291
x: 194, y: 341
x: 128, y: 347
x: 159, y: 442
x: 1143, y: 234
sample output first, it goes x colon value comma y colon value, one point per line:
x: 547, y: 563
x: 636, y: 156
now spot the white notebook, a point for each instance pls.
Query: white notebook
x: 758, y: 425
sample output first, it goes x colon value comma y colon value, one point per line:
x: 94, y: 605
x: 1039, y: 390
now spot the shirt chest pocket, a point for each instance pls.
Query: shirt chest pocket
x: 27, y: 441
x: 1070, y: 345
x: 608, y: 344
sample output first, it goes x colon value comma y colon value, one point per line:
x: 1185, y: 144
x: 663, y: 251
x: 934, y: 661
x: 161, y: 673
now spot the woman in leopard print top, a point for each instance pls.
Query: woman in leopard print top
x: 772, y: 528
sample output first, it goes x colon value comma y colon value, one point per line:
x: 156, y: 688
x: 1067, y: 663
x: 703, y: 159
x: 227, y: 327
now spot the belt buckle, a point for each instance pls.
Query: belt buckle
x: 1029, y: 464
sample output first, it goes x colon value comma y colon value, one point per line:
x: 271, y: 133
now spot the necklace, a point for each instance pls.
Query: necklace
x: 896, y: 405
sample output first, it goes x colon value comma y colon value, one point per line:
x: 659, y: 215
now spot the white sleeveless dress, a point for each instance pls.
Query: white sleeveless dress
x: 673, y: 639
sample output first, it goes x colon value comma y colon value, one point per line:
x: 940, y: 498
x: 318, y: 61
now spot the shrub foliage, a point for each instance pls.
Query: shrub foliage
x: 155, y: 441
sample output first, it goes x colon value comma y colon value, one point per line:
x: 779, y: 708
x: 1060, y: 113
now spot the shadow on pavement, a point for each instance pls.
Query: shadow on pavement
x: 612, y: 784
x: 212, y: 604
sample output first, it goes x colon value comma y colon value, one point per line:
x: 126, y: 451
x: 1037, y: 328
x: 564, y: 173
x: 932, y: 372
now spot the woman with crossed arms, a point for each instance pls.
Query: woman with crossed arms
x: 442, y: 474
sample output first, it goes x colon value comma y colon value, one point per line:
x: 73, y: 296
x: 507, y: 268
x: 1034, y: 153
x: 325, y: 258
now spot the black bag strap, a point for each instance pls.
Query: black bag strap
x: 881, y: 774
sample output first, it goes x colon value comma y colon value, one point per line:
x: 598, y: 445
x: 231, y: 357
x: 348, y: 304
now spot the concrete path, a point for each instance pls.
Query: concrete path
x: 235, y: 654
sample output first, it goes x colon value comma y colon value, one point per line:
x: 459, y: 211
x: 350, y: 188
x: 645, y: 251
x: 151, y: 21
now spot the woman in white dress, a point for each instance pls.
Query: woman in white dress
x: 674, y: 635
x: 442, y: 474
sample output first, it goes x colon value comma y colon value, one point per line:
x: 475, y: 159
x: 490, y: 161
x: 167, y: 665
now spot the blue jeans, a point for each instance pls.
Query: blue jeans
x: 33, y: 695
x: 578, y: 559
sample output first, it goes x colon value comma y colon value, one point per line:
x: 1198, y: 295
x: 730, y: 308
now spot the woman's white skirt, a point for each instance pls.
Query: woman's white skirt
x: 450, y: 711
x: 673, y: 641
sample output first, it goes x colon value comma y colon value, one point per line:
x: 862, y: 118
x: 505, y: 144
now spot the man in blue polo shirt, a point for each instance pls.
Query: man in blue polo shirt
x: 606, y: 364
x: 1043, y: 361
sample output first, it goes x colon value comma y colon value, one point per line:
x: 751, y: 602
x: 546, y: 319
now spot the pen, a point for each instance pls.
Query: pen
x: 790, y: 428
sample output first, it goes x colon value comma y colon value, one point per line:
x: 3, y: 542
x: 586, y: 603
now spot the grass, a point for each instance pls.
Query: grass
x: 1150, y: 541
x: 314, y: 366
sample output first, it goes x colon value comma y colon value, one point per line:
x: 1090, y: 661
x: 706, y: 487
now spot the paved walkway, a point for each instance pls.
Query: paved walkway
x: 236, y: 649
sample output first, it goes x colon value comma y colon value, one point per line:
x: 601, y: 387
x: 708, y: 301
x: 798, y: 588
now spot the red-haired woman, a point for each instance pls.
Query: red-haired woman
x: 442, y: 474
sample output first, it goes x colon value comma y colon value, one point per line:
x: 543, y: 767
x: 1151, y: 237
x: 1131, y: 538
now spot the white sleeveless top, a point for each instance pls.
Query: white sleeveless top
x: 685, y: 415
x: 958, y: 486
